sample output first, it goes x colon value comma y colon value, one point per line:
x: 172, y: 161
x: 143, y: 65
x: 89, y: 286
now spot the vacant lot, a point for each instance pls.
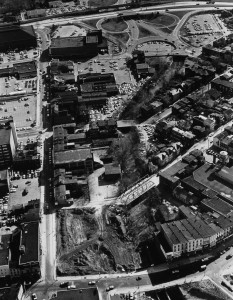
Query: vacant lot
x: 105, y: 241
x: 203, y: 290
x: 114, y: 25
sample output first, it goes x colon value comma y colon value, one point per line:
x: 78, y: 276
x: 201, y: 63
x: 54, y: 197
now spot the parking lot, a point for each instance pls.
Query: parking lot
x: 22, y: 110
x: 19, y: 197
x: 17, y: 56
x: 156, y: 48
x: 68, y: 31
x: 106, y: 64
x: 202, y: 29
x: 11, y: 84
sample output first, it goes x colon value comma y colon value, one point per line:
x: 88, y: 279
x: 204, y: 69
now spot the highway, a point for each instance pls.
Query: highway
x: 123, y: 282
x: 195, y: 5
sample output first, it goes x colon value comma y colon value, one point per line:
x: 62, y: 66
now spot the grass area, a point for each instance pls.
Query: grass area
x: 91, y: 22
x: 179, y: 14
x: 203, y: 290
x: 122, y: 37
x: 114, y: 25
x: 99, y: 3
x: 144, y: 32
x: 160, y: 20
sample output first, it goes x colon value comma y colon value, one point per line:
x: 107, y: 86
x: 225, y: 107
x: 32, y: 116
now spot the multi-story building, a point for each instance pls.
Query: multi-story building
x: 8, y: 144
x: 80, y: 46
x: 188, y: 235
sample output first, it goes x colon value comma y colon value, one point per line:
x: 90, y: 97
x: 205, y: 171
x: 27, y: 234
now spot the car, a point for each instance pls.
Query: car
x: 34, y: 297
x: 64, y: 283
x: 71, y: 287
x: 91, y: 282
x: 228, y: 256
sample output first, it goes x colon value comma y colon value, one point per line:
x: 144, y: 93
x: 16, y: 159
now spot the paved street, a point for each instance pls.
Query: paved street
x: 122, y: 282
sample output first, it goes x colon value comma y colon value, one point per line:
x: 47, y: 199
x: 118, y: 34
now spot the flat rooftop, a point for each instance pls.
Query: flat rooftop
x: 5, y: 136
x: 72, y: 156
x: 67, y: 42
x: 30, y: 239
x: 206, y: 176
x: 218, y: 205
x: 86, y: 294
x: 4, y: 251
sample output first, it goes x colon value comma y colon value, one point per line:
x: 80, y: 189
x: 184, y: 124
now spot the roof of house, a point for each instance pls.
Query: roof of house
x: 72, y: 156
x: 112, y: 169
x: 30, y: 239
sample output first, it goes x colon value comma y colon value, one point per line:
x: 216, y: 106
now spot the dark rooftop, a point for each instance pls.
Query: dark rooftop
x: 205, y: 175
x: 5, y: 136
x: 30, y: 239
x: 67, y: 42
x: 86, y: 294
x: 218, y: 205
x: 14, y: 33
x: 111, y: 169
x: 4, y: 249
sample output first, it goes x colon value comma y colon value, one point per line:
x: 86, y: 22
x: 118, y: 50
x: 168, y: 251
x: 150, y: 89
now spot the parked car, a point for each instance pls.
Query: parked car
x: 64, y: 284
x: 71, y: 287
x: 228, y: 256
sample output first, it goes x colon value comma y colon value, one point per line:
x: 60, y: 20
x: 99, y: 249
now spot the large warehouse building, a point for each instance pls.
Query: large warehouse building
x: 14, y: 36
x: 80, y: 46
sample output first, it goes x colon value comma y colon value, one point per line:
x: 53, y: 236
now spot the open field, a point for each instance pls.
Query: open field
x: 122, y: 37
x: 143, y: 32
x: 114, y: 25
x: 160, y: 20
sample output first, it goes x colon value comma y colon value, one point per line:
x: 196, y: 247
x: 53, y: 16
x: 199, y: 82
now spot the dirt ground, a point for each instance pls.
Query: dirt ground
x: 101, y: 241
x: 204, y: 289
